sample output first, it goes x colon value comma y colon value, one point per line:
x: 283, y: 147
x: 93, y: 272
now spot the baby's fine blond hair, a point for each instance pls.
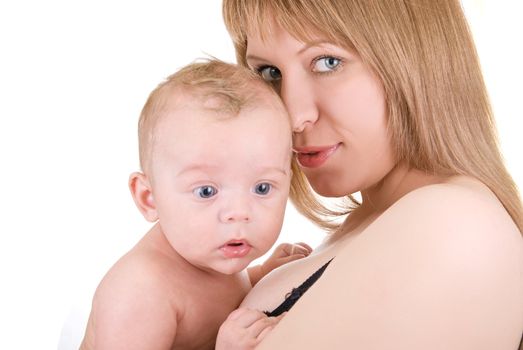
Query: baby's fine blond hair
x: 215, y: 85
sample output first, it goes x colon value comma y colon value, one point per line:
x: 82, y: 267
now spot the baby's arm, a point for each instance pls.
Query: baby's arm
x: 244, y: 329
x: 283, y: 254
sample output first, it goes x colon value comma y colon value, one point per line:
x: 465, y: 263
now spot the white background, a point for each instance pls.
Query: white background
x: 73, y: 78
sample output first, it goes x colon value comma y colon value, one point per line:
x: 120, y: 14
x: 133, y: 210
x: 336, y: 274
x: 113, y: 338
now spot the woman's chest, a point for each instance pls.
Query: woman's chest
x: 272, y: 290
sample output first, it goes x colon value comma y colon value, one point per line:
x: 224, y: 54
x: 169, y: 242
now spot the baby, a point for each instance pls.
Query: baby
x: 215, y: 151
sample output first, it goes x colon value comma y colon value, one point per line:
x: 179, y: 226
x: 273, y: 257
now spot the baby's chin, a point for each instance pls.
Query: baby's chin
x: 232, y: 267
x: 227, y: 266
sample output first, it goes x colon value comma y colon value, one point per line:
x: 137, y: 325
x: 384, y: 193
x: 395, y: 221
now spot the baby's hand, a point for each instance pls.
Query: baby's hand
x: 284, y: 253
x: 244, y: 329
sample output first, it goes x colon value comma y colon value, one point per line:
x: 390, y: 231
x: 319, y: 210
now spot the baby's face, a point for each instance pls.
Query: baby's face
x: 221, y: 185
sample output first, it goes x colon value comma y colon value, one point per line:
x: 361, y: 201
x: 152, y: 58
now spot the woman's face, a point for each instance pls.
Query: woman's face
x: 337, y: 106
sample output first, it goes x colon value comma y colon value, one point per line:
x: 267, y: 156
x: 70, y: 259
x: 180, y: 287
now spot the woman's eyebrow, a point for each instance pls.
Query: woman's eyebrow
x: 306, y: 46
x: 254, y: 57
x: 314, y: 43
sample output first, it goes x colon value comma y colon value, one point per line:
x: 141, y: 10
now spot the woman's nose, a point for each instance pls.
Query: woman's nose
x: 235, y: 209
x: 298, y: 97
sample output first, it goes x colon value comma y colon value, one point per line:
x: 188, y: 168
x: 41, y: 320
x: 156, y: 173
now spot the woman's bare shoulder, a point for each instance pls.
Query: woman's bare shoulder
x: 438, y: 268
x: 460, y: 203
x: 460, y: 216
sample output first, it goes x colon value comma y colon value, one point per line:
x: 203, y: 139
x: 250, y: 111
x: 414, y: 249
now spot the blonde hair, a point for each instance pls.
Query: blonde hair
x: 440, y: 117
x: 221, y: 87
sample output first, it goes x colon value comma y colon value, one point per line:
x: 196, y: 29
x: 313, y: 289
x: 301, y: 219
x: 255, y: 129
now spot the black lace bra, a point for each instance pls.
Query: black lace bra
x: 296, y: 293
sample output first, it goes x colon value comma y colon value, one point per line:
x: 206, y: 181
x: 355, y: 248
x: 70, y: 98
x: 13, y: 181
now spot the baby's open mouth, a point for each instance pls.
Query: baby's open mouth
x: 236, y: 248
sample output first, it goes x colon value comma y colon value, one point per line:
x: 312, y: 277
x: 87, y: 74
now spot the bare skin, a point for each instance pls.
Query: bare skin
x: 192, y: 311
x: 215, y: 211
x: 186, y: 303
x: 426, y: 262
x: 372, y: 296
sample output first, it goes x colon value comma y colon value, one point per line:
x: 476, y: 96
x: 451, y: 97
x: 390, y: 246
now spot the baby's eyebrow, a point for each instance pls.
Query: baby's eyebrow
x: 274, y: 169
x: 198, y: 168
x: 212, y: 168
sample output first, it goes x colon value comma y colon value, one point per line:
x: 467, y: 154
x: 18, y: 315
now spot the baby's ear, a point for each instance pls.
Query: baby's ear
x: 143, y: 196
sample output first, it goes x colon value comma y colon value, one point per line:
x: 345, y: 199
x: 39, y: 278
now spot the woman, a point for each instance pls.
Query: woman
x: 387, y: 99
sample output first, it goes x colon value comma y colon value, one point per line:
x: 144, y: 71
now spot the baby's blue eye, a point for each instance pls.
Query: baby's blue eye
x: 326, y: 64
x: 205, y: 191
x: 262, y: 188
x: 269, y: 73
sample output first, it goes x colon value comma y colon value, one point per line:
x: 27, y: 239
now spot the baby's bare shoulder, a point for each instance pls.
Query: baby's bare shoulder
x: 133, y: 303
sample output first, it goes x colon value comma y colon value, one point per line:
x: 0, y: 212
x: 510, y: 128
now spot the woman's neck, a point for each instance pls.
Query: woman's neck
x: 378, y: 198
x: 397, y: 183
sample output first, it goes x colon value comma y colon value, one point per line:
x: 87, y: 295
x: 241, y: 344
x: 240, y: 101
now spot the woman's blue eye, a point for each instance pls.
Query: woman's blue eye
x: 269, y: 73
x: 205, y: 191
x: 326, y: 64
x: 262, y: 188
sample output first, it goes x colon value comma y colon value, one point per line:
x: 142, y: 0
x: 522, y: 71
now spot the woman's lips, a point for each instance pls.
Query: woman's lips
x: 313, y: 157
x: 235, y: 248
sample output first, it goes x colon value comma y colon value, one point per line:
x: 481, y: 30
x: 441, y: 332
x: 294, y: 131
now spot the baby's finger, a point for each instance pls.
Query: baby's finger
x: 284, y: 249
x: 304, y: 246
x: 299, y: 250
x: 267, y: 330
x: 235, y: 314
x: 258, y: 327
x: 263, y: 334
x: 290, y: 258
x: 245, y: 317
